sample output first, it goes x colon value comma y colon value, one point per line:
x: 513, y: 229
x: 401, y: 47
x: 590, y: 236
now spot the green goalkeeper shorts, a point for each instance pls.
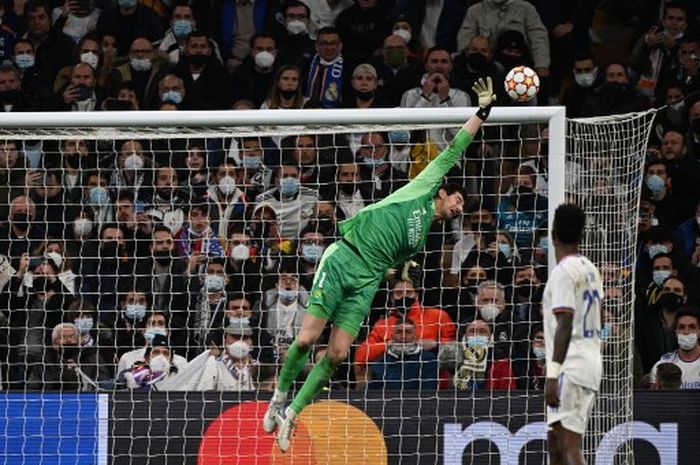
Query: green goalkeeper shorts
x: 343, y: 289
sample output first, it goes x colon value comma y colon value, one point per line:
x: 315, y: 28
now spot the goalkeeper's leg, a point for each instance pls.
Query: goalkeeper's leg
x: 294, y: 363
x: 338, y: 348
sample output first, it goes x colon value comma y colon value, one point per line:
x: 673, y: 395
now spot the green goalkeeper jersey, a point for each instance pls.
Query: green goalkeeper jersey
x: 393, y: 230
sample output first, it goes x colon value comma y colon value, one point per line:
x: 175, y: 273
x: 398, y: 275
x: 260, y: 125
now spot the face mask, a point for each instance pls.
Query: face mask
x: 585, y: 80
x: 404, y: 305
x: 288, y: 94
x: 240, y: 252
x: 238, y: 349
x: 289, y: 186
x: 109, y: 249
x: 477, y: 341
x: 403, y: 33
x: 399, y: 137
x: 402, y: 348
x: 489, y: 312
x: 135, y: 312
x: 84, y: 325
x: 151, y: 332
x: 99, y: 196
x: 90, y: 58
x: 133, y: 162
x: 477, y: 61
x: 9, y: 96
x: 182, y: 28
x: 20, y: 221
x: 656, y: 184
x: 24, y: 61
x: 127, y: 4
x: 660, y: 276
x: 544, y: 244
x: 264, y: 60
x: 670, y: 301
x: 296, y: 27
x: 159, y: 364
x: 656, y: 249
x: 287, y: 295
x: 163, y: 257
x: 539, y: 352
x: 395, y: 58
x: 214, y: 283
x: 252, y: 163
x: 69, y: 352
x: 198, y: 60
x: 526, y: 289
x: 82, y: 226
x: 504, y: 249
x: 364, y: 96
x: 373, y: 162
x: 227, y: 185
x: 312, y: 252
x: 173, y: 96
x: 238, y: 322
x: 605, y: 332
x: 140, y: 64
x: 687, y: 341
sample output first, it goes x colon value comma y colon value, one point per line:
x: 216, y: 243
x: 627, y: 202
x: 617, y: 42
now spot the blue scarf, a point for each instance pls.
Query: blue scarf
x: 331, y: 82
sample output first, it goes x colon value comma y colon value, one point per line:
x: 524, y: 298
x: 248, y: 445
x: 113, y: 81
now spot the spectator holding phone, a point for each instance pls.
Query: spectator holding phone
x: 80, y: 94
x: 76, y: 18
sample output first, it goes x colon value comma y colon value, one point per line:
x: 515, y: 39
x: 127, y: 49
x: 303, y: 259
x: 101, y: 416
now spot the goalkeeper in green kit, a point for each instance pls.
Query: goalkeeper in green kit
x: 379, y: 237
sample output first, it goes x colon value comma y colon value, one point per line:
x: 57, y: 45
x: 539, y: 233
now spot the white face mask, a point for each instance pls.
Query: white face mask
x: 90, y: 58
x: 296, y: 27
x: 264, y: 59
x: 585, y: 80
x: 159, y: 364
x: 82, y: 226
x: 403, y: 33
x: 238, y: 349
x: 489, y: 312
x: 133, y: 162
x: 687, y: 341
x: 227, y: 185
x: 240, y: 252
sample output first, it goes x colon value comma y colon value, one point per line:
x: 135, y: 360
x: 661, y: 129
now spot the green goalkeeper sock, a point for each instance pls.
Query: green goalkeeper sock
x: 317, y: 379
x: 293, y: 364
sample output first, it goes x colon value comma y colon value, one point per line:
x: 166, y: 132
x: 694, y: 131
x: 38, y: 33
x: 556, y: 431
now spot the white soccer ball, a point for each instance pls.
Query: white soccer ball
x: 522, y: 83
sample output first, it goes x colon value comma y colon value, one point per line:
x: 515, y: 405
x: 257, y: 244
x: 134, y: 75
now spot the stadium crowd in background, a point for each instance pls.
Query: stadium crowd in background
x: 156, y: 264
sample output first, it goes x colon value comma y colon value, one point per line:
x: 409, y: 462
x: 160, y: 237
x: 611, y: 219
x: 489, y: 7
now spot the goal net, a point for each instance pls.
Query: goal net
x: 155, y: 268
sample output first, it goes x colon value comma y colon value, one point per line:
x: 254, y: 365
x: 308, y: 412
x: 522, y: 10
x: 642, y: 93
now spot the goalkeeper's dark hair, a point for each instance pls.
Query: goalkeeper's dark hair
x: 450, y: 188
x: 569, y: 221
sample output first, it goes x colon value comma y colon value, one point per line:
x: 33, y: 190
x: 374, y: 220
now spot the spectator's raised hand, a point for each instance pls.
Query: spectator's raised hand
x: 428, y: 86
x: 71, y: 94
x: 443, y: 87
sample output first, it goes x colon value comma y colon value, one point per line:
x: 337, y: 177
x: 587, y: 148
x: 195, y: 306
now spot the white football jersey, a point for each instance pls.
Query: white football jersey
x: 575, y: 286
x: 690, y: 371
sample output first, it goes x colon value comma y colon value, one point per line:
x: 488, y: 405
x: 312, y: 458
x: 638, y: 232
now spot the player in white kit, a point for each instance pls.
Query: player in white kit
x: 571, y: 308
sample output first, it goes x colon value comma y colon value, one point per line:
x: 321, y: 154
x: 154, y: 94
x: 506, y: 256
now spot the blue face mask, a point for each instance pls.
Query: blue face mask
x: 152, y: 332
x: 504, y: 249
x: 373, y: 162
x: 656, y: 184
x: 289, y: 186
x: 656, y: 249
x: 238, y: 322
x: 99, y: 196
x: 128, y: 3
x: 312, y: 252
x: 605, y: 332
x: 182, y: 28
x: 544, y: 244
x: 252, y: 163
x: 214, y: 283
x: 477, y: 341
x: 84, y: 325
x: 173, y: 96
x: 660, y: 276
x: 24, y: 61
x: 539, y: 352
x: 135, y: 312
x: 287, y: 295
x: 399, y: 137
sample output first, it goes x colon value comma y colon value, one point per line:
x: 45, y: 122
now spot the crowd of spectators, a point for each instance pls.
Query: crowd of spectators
x: 186, y: 263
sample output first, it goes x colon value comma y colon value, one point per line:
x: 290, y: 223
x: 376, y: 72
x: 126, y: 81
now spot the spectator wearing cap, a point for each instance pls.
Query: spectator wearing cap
x: 52, y: 48
x: 327, y: 71
x: 283, y: 307
x: 206, y: 81
x: 292, y: 202
x: 362, y: 27
x: 687, y: 356
x: 488, y: 17
x: 243, y: 324
x: 128, y: 20
x: 433, y: 326
x: 155, y: 331
x: 615, y: 95
x: 364, y: 90
x: 436, y: 23
x: 157, y: 365
x: 435, y: 91
x: 296, y: 45
x: 65, y: 366
x: 255, y: 76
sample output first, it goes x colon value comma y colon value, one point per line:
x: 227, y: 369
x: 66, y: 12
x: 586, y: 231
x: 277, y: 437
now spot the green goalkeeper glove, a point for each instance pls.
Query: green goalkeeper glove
x: 484, y: 92
x: 411, y: 272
